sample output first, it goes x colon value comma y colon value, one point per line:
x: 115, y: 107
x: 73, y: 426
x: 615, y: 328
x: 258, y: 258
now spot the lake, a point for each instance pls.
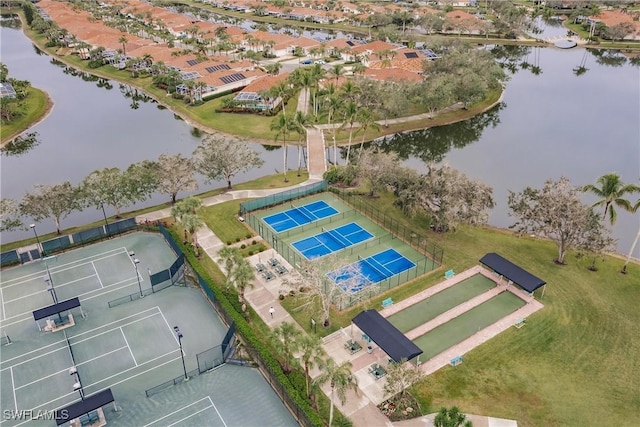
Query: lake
x: 550, y: 124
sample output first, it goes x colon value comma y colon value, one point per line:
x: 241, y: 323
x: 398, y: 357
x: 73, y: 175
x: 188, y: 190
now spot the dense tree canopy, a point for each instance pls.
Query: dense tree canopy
x: 51, y: 201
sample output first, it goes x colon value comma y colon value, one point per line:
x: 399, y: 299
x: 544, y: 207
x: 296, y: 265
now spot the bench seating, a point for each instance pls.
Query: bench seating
x: 456, y: 361
x: 260, y: 267
x: 267, y: 275
x: 387, y: 302
x: 519, y: 323
x: 449, y: 274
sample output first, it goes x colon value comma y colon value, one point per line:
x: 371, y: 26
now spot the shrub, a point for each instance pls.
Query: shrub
x: 253, y: 242
x: 243, y: 246
x: 281, y: 297
x: 250, y: 253
x: 237, y: 239
x: 228, y: 242
x: 248, y: 236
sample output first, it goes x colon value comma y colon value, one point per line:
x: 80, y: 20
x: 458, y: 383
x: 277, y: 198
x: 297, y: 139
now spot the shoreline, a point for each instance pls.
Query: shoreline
x: 42, y: 117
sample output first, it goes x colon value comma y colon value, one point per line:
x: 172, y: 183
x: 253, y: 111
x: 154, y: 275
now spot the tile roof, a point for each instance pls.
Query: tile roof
x: 393, y: 74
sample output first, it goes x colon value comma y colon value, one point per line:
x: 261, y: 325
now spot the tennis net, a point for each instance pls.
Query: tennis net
x: 73, y: 359
x: 308, y: 215
x: 334, y: 236
x: 369, y: 261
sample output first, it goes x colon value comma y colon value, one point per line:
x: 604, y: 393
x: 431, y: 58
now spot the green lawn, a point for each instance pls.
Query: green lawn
x: 573, y: 364
x: 36, y: 106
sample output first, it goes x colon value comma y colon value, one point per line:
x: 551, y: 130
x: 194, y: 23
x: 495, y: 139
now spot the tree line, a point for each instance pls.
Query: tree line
x: 215, y: 158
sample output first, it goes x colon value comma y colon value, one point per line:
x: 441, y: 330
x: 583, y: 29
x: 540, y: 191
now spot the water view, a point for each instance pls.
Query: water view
x: 564, y: 112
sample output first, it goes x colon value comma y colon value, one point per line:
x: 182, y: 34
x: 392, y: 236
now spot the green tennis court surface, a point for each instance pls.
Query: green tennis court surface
x: 430, y: 308
x: 129, y: 348
x: 468, y: 323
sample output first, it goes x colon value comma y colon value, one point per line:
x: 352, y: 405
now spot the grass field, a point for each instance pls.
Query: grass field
x: 430, y: 308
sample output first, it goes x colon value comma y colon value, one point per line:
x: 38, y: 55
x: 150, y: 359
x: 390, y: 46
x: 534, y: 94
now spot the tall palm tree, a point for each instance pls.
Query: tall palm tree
x: 633, y: 245
x: 282, y: 125
x: 611, y: 191
x: 340, y: 379
x: 192, y: 224
x: 350, y: 112
x: 336, y: 71
x: 310, y: 347
x: 366, y: 120
x: 285, y: 339
x: 300, y: 122
x: 334, y: 103
x: 123, y: 41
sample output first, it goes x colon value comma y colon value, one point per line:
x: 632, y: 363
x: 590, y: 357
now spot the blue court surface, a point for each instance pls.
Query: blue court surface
x: 332, y: 240
x: 373, y: 269
x: 299, y: 215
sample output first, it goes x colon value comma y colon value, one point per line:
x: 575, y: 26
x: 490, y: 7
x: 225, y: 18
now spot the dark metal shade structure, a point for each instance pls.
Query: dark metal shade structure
x: 386, y: 336
x: 56, y: 308
x: 511, y: 271
x: 78, y: 409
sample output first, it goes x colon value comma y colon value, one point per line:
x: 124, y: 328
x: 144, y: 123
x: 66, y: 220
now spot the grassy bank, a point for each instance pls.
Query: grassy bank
x: 37, y: 105
x: 571, y: 365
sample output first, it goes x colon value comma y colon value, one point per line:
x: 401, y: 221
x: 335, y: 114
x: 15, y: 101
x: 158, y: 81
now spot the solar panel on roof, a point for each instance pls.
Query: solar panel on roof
x: 410, y: 55
x: 350, y: 43
x: 192, y: 62
x: 190, y: 75
x: 218, y: 68
x: 235, y: 77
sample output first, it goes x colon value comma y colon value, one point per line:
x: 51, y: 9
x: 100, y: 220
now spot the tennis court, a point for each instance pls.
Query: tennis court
x: 332, y: 240
x: 430, y: 308
x: 371, y: 270
x: 129, y: 348
x: 467, y: 324
x: 297, y: 216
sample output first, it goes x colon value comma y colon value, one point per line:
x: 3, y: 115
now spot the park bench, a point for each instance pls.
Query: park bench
x: 260, y: 267
x: 519, y: 323
x: 456, y: 361
x: 449, y: 274
x: 386, y: 303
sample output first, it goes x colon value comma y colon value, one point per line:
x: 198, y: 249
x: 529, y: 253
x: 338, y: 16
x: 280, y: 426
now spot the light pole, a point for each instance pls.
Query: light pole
x: 40, y: 248
x: 136, y: 261
x: 77, y: 386
x: 179, y: 335
x: 106, y: 223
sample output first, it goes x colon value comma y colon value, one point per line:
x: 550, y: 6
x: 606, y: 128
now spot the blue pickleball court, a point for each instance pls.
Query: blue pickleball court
x: 373, y: 269
x: 332, y: 240
x: 299, y: 215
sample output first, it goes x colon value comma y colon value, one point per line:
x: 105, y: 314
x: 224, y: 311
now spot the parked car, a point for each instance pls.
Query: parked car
x: 306, y: 62
x: 320, y: 61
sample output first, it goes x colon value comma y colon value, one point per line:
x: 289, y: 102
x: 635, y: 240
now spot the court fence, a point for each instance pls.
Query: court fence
x: 165, y: 385
x: 159, y: 281
x: 60, y: 243
x: 270, y: 375
x: 284, y: 196
x: 419, y: 242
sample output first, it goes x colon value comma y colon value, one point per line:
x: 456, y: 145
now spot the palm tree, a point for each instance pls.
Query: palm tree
x: 451, y: 418
x: 311, y: 356
x: 611, y: 190
x: 334, y: 103
x: 300, y: 121
x: 229, y: 256
x: 123, y: 41
x: 282, y: 125
x: 337, y: 71
x: 635, y: 242
x: 350, y: 113
x: 192, y: 224
x: 340, y: 379
x: 366, y: 120
x: 285, y: 338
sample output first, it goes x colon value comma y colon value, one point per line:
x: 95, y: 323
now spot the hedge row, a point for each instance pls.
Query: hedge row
x: 248, y: 334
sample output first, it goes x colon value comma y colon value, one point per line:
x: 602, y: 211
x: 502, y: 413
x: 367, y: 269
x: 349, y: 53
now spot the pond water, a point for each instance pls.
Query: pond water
x: 564, y: 112
x: 93, y: 126
x: 552, y: 124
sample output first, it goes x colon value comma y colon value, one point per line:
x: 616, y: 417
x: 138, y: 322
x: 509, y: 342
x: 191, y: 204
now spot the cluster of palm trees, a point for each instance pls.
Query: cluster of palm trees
x: 336, y: 104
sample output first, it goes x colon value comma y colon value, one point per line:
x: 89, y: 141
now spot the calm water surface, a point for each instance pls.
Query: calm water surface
x: 551, y: 124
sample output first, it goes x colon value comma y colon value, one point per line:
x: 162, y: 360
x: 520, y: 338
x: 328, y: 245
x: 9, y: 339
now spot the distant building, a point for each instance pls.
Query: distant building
x: 7, y: 91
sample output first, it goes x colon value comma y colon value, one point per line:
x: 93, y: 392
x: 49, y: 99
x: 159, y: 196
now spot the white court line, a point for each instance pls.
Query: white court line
x: 45, y: 291
x: 169, y: 326
x: 130, y: 351
x: 30, y: 317
x: 217, y: 412
x: 195, y: 413
x: 13, y: 386
x: 97, y: 275
x: 179, y: 410
x: 84, y: 333
x: 52, y: 269
x: 33, y: 358
x: 128, y: 369
x: 41, y: 378
x: 4, y: 315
